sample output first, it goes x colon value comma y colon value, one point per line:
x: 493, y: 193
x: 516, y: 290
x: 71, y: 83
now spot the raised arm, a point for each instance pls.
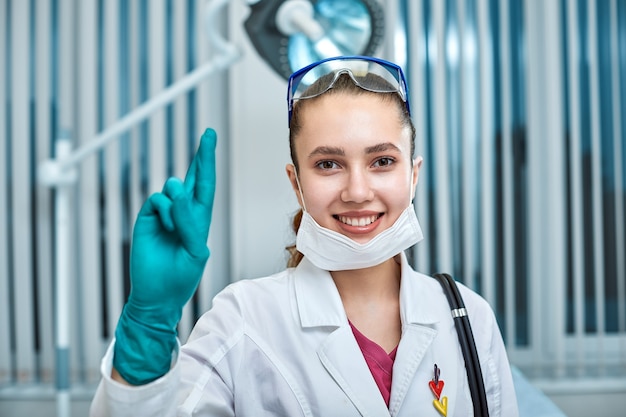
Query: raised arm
x: 168, y: 255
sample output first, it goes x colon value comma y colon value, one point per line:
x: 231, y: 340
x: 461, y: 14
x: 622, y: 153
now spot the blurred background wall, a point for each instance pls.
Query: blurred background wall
x: 519, y: 108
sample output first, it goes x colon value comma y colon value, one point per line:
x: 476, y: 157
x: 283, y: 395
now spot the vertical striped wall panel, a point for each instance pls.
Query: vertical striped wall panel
x: 20, y: 183
x: 487, y: 158
x: 180, y: 129
x: 111, y: 163
x: 73, y: 69
x: 575, y: 174
x: 89, y: 277
x: 42, y: 198
x: 156, y: 82
x: 5, y: 295
x: 618, y: 105
x: 596, y: 175
x: 210, y: 101
x: 524, y: 169
x: 505, y: 205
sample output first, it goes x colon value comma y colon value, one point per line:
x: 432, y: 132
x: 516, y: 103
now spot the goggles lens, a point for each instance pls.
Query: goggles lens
x: 354, y: 66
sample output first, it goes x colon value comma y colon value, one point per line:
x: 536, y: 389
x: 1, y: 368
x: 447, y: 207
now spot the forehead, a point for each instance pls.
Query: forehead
x: 352, y: 121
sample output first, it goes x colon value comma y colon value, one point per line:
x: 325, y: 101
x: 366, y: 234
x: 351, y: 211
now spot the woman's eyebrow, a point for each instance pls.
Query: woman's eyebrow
x: 327, y: 150
x: 382, y: 147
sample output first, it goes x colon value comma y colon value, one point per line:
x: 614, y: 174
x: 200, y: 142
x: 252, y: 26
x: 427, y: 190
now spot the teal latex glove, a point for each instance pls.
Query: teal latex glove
x: 168, y: 255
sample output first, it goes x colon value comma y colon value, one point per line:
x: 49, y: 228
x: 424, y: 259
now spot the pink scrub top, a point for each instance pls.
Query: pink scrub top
x: 379, y: 362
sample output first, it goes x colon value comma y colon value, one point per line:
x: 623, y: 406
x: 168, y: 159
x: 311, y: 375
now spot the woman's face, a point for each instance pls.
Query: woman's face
x: 354, y: 162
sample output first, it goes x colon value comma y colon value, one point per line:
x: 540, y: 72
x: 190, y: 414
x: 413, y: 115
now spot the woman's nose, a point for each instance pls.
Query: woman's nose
x: 357, y: 189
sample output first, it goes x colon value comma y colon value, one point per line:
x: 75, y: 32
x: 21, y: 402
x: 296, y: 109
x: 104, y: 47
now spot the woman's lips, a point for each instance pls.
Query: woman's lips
x: 358, y: 224
x: 358, y: 221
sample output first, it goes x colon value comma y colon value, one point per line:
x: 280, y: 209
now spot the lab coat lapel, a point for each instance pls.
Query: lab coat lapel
x: 342, y: 358
x: 416, y: 340
x: 413, y: 370
x: 419, y: 329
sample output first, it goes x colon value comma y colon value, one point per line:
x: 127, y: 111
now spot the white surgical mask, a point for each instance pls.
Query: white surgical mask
x: 332, y: 251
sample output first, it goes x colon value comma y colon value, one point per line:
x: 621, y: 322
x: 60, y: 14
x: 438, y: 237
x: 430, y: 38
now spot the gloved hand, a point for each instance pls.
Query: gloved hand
x: 168, y: 254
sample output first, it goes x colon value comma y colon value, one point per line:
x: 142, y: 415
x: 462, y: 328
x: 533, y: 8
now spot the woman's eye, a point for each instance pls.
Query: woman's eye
x: 384, y: 162
x: 326, y: 165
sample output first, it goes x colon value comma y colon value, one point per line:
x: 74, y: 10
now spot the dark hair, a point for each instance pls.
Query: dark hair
x: 343, y: 85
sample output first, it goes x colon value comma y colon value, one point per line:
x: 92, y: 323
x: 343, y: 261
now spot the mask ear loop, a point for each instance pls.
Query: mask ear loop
x: 412, y: 187
x: 300, y: 188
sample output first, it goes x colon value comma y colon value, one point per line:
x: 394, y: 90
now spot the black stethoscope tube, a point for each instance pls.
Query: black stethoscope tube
x: 468, y: 347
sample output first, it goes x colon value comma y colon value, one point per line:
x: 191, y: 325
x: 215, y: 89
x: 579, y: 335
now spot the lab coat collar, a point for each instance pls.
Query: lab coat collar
x: 415, y: 308
x: 319, y: 303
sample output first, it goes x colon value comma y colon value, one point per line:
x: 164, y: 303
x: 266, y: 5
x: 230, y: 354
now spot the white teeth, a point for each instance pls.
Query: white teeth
x: 358, y: 221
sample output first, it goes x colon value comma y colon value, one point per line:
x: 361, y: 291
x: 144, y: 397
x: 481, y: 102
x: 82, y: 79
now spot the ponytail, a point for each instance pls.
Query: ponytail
x: 294, y: 255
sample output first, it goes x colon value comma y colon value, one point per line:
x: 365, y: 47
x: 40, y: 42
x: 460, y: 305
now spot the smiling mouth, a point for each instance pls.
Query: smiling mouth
x: 358, y: 221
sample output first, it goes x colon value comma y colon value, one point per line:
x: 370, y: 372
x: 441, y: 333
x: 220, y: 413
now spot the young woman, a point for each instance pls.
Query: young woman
x: 349, y: 329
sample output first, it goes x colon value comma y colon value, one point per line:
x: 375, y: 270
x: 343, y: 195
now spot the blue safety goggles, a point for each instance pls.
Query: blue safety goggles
x: 354, y: 66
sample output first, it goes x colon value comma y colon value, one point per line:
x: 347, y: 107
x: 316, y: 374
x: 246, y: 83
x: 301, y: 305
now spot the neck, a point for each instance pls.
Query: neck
x: 378, y: 282
x: 371, y: 299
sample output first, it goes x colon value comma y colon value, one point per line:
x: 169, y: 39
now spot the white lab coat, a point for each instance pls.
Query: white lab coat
x: 282, y: 346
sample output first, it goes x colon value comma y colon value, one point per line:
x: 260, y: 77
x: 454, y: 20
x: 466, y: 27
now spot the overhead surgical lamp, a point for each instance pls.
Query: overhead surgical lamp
x: 291, y: 34
x: 287, y: 34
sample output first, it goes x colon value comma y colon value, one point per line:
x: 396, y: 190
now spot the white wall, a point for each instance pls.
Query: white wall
x: 262, y: 200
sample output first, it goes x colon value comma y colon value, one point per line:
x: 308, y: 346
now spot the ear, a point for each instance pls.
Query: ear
x: 291, y: 174
x: 417, y: 165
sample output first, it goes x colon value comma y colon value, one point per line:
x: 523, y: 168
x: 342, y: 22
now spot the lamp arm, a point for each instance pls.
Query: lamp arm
x: 57, y: 171
x: 142, y: 112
